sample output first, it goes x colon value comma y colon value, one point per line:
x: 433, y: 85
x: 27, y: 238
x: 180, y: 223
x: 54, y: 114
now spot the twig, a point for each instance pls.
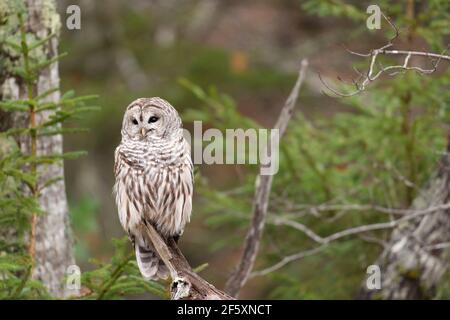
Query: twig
x: 261, y: 199
x: 286, y: 260
x: 186, y: 284
x: 356, y: 230
x: 364, y: 79
x: 324, y: 241
x: 314, y: 210
x: 438, y: 246
x: 417, y: 53
x: 374, y: 240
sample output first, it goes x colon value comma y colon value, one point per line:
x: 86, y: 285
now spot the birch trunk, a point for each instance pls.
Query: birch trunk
x: 53, y: 247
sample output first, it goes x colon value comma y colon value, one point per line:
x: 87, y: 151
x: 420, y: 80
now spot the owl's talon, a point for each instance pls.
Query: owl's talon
x: 180, y: 288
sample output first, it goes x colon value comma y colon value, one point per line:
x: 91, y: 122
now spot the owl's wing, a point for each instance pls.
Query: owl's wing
x: 128, y: 190
x: 131, y: 203
x: 184, y: 191
x: 122, y: 157
x: 117, y: 161
x: 190, y: 165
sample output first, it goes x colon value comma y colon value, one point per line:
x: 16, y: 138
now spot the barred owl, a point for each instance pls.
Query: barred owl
x: 154, y: 179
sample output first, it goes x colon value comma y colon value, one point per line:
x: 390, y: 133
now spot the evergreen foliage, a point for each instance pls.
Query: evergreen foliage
x: 21, y: 183
x: 379, y: 152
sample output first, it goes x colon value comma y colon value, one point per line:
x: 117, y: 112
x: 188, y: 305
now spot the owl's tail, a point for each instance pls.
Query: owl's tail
x: 149, y: 263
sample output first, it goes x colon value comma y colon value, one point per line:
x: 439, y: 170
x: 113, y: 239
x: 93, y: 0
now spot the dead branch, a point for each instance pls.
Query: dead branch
x: 359, y: 229
x: 286, y: 260
x: 261, y: 199
x: 301, y: 210
x: 186, y: 284
x: 324, y: 241
x: 372, y: 73
x: 372, y: 239
x: 438, y: 246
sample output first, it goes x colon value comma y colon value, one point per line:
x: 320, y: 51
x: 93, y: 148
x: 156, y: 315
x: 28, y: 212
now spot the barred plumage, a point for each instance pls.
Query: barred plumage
x: 154, y: 178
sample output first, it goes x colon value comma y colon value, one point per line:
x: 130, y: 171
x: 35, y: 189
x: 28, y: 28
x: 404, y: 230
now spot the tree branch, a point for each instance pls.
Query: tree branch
x: 372, y: 73
x: 261, y: 199
x: 324, y: 241
x: 186, y: 284
x: 286, y: 260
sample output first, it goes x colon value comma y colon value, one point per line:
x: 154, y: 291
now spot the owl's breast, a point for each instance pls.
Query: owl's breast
x: 159, y: 194
x: 155, y: 185
x: 169, y: 191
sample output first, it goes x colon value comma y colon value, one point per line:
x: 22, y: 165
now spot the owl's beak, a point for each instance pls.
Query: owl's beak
x: 143, y: 132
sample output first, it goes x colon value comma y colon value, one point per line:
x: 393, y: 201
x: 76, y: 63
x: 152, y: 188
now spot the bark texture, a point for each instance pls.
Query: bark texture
x: 413, y: 262
x: 186, y: 284
x: 53, y: 246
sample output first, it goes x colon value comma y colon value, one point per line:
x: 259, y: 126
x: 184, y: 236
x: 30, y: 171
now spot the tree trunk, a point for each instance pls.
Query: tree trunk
x: 413, y: 262
x: 53, y: 246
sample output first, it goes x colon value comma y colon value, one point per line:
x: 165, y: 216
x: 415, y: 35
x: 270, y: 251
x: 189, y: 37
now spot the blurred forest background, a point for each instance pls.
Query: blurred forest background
x: 232, y: 65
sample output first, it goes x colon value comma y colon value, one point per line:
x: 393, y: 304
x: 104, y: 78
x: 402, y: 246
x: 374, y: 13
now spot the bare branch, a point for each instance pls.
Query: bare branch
x: 441, y: 56
x: 186, y: 284
x: 438, y: 246
x: 324, y: 241
x: 371, y: 239
x: 261, y: 199
x: 371, y: 75
x: 360, y: 229
x: 286, y: 260
x: 361, y: 207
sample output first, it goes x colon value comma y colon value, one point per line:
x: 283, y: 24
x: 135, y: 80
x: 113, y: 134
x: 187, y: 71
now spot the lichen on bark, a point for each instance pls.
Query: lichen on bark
x: 53, y: 247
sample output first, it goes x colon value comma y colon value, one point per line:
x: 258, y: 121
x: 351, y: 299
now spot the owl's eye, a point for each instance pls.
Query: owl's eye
x: 135, y: 121
x: 152, y: 119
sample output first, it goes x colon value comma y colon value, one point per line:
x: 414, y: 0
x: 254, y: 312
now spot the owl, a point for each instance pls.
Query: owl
x: 153, y: 178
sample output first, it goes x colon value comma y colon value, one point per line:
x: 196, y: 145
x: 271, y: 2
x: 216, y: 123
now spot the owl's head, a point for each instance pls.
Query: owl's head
x: 149, y: 119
